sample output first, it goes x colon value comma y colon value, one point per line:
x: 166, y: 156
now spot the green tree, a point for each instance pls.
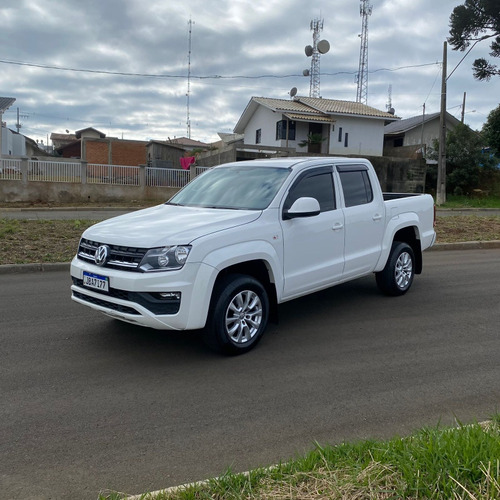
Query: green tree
x: 474, y: 21
x: 467, y: 166
x: 491, y: 131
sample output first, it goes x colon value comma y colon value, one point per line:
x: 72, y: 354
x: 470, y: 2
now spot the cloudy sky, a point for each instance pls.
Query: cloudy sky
x: 137, y: 54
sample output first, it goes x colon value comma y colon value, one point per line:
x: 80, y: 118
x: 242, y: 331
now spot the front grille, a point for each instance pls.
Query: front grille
x: 120, y: 257
x: 150, y: 301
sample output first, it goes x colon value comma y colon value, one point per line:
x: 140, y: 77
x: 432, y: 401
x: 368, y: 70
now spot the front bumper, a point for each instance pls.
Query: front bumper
x: 135, y: 297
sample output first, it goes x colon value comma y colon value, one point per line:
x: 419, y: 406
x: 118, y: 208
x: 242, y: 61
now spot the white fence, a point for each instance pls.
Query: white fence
x: 117, y: 175
x: 54, y: 171
x: 92, y: 173
x: 167, y: 177
x: 10, y: 169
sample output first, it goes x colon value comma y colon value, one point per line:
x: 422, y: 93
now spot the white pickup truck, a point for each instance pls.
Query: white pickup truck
x: 242, y: 238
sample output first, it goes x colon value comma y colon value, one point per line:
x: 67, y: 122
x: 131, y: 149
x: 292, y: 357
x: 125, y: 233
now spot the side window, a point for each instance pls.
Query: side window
x: 319, y: 186
x: 356, y: 187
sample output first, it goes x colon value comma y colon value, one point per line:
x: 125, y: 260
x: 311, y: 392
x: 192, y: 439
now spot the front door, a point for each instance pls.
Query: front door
x: 313, y: 246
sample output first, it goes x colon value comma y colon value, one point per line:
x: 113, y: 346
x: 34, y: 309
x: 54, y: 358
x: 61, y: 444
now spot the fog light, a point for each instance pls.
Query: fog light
x: 170, y: 295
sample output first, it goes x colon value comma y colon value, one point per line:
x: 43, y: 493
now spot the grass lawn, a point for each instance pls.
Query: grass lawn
x: 435, y: 463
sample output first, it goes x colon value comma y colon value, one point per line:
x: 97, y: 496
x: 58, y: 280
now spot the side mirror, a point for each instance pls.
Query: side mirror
x: 303, y: 207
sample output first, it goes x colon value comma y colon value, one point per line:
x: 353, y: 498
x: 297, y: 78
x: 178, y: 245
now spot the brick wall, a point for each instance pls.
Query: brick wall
x: 128, y: 152
x: 97, y: 151
x: 115, y: 152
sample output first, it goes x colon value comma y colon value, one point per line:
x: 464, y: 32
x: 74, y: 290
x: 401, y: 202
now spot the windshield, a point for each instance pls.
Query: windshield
x: 236, y: 187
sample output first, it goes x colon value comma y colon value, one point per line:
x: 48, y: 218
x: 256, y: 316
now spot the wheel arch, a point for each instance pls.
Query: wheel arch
x: 405, y: 231
x: 262, y: 272
x: 411, y: 236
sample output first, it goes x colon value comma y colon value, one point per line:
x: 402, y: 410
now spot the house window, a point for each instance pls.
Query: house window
x: 258, y: 136
x: 281, y: 130
x: 340, y: 134
x: 346, y: 140
x: 398, y: 142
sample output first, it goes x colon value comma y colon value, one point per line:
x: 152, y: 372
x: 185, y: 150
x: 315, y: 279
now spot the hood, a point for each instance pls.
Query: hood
x: 167, y: 225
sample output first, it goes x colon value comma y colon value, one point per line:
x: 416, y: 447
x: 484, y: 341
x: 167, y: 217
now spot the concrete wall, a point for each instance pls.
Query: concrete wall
x: 66, y: 192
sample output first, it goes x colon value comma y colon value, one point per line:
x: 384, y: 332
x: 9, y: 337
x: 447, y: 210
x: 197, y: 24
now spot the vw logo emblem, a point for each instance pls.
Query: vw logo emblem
x: 101, y: 255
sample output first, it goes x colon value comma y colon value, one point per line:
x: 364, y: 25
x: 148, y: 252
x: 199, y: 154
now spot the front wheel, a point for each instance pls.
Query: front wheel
x: 397, y: 276
x: 238, y: 315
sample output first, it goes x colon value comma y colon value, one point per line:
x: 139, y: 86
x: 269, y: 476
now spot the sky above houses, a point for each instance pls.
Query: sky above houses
x: 121, y: 66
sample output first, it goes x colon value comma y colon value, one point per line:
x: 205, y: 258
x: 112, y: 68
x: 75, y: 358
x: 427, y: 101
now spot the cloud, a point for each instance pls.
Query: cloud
x: 235, y: 46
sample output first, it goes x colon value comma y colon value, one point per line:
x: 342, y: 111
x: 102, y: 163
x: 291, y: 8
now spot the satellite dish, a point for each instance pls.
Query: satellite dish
x: 323, y: 46
x: 308, y: 50
x: 391, y: 111
x: 293, y: 91
x: 305, y: 72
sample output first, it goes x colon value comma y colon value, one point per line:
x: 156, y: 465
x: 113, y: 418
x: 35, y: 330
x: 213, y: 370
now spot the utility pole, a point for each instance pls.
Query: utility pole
x: 188, y: 119
x: 441, y: 177
x: 463, y: 107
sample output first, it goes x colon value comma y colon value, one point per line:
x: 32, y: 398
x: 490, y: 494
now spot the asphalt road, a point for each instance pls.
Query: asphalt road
x: 90, y: 404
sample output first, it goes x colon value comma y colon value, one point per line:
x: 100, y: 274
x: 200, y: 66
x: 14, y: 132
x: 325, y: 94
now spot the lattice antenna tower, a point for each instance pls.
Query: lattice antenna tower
x: 316, y: 28
x: 365, y: 11
x: 318, y: 47
x: 188, y: 93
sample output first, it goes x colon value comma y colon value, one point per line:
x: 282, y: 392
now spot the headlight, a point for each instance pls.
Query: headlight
x: 165, y: 258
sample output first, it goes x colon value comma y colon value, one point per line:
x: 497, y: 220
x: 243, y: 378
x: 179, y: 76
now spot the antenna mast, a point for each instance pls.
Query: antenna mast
x: 188, y: 120
x: 365, y: 10
x: 318, y: 47
x: 316, y: 28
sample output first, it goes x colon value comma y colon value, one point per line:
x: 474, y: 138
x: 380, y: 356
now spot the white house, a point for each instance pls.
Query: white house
x: 336, y: 127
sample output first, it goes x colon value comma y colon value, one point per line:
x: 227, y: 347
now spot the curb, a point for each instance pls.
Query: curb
x: 32, y: 268
x: 67, y: 209
x: 465, y: 245
x: 65, y: 266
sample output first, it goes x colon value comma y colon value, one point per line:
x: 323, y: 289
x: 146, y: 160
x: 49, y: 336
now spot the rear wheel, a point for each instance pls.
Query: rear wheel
x: 397, y: 276
x: 238, y: 316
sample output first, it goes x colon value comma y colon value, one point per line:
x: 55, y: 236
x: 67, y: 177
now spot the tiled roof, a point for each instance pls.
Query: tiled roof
x: 62, y: 137
x: 314, y: 105
x: 6, y: 103
x: 185, y: 141
x: 310, y: 118
x: 344, y: 107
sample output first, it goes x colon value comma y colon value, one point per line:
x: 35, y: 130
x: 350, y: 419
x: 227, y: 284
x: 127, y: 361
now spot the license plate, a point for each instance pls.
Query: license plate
x: 96, y: 281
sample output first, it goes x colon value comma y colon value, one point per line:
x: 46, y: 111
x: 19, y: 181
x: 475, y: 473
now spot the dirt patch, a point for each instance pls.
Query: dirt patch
x: 459, y: 228
x: 42, y: 241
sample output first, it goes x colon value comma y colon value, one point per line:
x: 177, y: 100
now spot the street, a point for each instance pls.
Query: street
x: 91, y: 404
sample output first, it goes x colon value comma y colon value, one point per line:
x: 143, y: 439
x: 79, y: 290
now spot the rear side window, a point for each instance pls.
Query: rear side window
x: 319, y: 186
x: 356, y: 187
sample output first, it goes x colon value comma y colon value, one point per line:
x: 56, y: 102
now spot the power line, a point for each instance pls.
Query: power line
x: 199, y: 77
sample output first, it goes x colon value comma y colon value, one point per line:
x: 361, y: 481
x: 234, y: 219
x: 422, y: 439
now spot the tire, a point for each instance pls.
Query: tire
x: 397, y: 276
x: 238, y: 315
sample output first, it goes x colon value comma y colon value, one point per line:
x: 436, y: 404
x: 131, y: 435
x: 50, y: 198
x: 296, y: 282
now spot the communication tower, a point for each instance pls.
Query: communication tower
x: 318, y: 47
x: 365, y: 10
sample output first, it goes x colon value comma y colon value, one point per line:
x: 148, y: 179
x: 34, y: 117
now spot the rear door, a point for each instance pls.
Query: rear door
x: 313, y: 246
x: 364, y: 219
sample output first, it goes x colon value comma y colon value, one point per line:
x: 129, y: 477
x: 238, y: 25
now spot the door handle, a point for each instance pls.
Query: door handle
x: 377, y: 217
x: 338, y: 226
